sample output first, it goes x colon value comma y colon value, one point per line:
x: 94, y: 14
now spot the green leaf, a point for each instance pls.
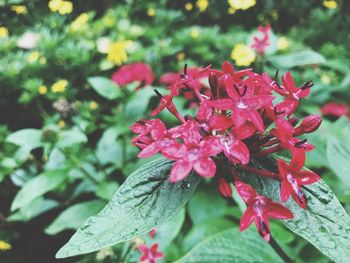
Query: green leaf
x: 29, y: 138
x: 74, y: 216
x: 168, y: 231
x: 299, y: 58
x: 204, y: 229
x: 137, y: 105
x: 145, y: 200
x: 71, y: 137
x: 231, y: 246
x: 105, y: 87
x: 33, y: 209
x: 38, y: 186
x: 206, y: 204
x: 324, y: 223
x: 109, y: 150
x: 338, y: 149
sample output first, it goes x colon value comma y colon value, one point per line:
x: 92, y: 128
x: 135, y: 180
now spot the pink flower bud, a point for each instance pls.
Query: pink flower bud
x: 311, y: 123
x: 225, y: 188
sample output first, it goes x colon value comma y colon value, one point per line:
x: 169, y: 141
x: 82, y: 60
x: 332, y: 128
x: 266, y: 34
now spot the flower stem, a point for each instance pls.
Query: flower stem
x: 260, y: 172
x: 273, y: 149
x: 280, y: 251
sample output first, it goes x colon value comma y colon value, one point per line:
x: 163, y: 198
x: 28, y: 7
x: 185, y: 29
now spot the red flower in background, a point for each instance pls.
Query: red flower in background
x: 259, y: 209
x: 134, y: 72
x: 336, y: 110
x: 293, y: 178
x: 150, y: 255
x: 260, y: 44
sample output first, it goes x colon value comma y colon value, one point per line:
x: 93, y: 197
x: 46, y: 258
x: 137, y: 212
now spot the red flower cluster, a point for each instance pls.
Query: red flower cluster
x: 260, y: 44
x: 237, y: 122
x: 134, y: 72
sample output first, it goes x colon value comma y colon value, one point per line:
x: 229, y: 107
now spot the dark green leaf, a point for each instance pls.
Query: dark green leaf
x: 145, y: 200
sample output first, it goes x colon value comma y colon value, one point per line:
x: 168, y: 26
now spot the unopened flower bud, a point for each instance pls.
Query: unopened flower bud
x: 311, y: 123
x: 225, y: 188
x: 293, y: 121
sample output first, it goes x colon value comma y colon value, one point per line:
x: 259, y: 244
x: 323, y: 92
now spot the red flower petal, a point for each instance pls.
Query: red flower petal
x: 307, y: 177
x: 276, y: 210
x: 245, y: 191
x: 180, y: 170
x: 247, y: 218
x: 205, y: 167
x: 150, y: 150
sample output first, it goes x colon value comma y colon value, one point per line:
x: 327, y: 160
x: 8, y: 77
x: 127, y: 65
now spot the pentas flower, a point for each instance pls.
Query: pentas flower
x: 189, y: 82
x: 292, y: 93
x: 236, y: 122
x: 195, y: 153
x: 259, y: 209
x: 134, y: 72
x: 292, y: 178
x: 260, y: 44
x: 150, y: 254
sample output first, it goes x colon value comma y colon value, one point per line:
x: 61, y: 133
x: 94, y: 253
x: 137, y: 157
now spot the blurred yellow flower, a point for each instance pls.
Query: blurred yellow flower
x: 181, y: 56
x: 188, y: 6
x: 117, y: 52
x: 42, y: 60
x: 231, y: 10
x: 331, y: 4
x: 194, y: 33
x: 242, y: 55
x: 282, y: 43
x: 325, y: 79
x: 93, y: 105
x: 3, y: 32
x: 202, y: 5
x: 42, y: 89
x: 59, y: 86
x: 66, y: 8
x: 241, y: 4
x: 61, y: 124
x: 108, y: 21
x: 151, y: 12
x: 54, y: 5
x: 19, y: 9
x: 60, y: 6
x: 79, y: 22
x: 4, y: 245
x: 33, y: 57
